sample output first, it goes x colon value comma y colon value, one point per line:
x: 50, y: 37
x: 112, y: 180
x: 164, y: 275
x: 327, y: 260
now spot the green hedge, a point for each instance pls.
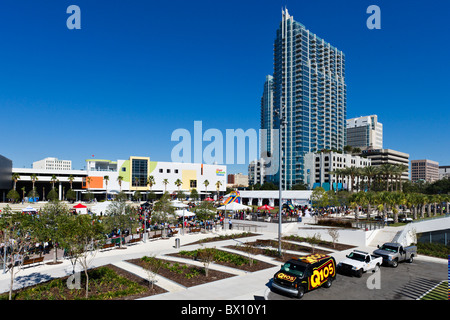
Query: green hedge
x: 438, y: 250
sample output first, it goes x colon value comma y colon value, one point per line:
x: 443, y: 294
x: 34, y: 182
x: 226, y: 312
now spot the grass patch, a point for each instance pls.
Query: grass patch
x: 441, y: 292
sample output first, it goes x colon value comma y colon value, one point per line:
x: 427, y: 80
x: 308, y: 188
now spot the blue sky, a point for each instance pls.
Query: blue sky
x: 138, y: 70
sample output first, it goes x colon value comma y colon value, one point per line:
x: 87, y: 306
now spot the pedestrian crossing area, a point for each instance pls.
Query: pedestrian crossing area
x: 418, y: 288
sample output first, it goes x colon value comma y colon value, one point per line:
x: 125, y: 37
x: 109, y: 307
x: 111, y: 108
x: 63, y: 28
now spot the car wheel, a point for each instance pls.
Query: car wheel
x: 395, y: 263
x: 411, y: 259
x: 359, y: 273
x: 327, y: 284
x: 377, y: 267
x: 301, y: 292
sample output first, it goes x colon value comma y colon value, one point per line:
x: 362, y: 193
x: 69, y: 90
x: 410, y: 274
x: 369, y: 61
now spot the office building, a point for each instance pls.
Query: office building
x: 379, y: 157
x: 256, y: 172
x: 237, y: 180
x: 267, y: 118
x: 426, y: 170
x: 365, y: 133
x: 444, y: 172
x: 319, y: 168
x: 309, y: 87
x: 52, y: 164
x: 5, y: 177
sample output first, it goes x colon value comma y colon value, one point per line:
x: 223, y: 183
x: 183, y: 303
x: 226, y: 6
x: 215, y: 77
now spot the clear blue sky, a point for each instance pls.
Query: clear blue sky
x: 138, y: 70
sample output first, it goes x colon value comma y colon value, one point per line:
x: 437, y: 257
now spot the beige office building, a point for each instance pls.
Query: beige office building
x: 426, y: 170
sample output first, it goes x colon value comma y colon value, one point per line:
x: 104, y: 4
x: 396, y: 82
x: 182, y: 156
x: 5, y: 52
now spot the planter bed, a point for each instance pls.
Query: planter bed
x: 105, y: 283
x: 234, y: 260
x: 186, y: 275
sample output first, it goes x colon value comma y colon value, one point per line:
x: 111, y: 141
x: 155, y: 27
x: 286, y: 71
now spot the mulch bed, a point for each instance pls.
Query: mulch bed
x: 64, y: 293
x: 255, y: 266
x: 338, y: 246
x: 138, y: 280
x: 180, y: 278
x: 223, y: 238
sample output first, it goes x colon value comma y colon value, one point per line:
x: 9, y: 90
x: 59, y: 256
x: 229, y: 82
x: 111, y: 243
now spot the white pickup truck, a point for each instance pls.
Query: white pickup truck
x: 358, y: 262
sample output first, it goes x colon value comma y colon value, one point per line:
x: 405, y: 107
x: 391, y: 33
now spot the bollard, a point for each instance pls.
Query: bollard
x: 177, y: 243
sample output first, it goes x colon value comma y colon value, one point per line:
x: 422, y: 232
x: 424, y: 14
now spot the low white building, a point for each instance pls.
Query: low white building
x: 103, y: 177
x: 53, y: 164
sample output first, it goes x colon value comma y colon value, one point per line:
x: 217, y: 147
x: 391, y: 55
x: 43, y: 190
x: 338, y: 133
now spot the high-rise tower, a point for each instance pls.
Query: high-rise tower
x: 309, y: 88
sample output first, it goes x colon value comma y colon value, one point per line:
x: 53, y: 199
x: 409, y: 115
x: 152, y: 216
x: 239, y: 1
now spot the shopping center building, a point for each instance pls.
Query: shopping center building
x: 105, y: 178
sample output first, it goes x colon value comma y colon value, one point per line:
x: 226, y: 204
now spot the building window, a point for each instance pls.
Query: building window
x: 193, y: 183
x: 160, y: 170
x: 139, y: 172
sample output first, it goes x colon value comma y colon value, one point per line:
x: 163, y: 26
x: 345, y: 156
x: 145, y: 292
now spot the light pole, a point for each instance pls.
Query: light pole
x: 282, y: 119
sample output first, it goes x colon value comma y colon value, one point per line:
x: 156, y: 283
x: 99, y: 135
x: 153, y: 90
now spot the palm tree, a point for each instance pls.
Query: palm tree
x: 15, y: 177
x: 119, y: 180
x: 71, y: 178
x: 34, y: 178
x: 150, y: 181
x: 165, y: 182
x: 358, y: 199
x: 218, y: 184
x: 370, y: 172
x: 398, y: 199
x: 352, y: 172
x: 106, y: 178
x: 178, y: 183
x: 54, y: 179
x: 387, y: 170
x: 372, y: 199
x: 337, y: 173
x: 401, y: 168
x: 206, y: 183
x: 422, y: 201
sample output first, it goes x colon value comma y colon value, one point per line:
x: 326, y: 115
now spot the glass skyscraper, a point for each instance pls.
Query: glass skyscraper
x: 267, y: 116
x: 309, y: 88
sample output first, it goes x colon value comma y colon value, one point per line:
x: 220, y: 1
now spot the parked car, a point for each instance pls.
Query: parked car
x: 358, y: 262
x: 392, y: 253
x: 304, y: 274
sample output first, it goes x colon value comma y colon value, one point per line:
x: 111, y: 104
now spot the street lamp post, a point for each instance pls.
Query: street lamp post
x: 282, y: 120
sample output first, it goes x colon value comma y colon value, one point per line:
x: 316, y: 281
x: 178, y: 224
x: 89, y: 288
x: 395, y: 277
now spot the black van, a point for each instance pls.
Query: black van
x: 304, y: 274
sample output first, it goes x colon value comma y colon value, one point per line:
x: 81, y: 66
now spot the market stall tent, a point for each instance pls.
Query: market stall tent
x: 80, y: 209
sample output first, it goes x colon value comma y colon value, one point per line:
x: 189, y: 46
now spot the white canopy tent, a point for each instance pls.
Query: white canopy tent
x: 29, y: 209
x: 234, y: 206
x: 185, y: 213
x: 178, y: 204
x: 101, y: 207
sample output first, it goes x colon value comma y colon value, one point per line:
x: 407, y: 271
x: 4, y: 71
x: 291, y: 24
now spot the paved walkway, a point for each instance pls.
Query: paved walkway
x: 242, y: 286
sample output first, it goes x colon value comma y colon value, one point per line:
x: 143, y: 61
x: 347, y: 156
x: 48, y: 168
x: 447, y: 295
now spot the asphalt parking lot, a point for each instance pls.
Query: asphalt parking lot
x: 406, y: 282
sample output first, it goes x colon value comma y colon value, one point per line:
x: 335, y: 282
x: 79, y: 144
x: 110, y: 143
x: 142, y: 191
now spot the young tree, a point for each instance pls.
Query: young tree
x: 319, y: 198
x: 152, y: 266
x: 334, y: 234
x: 121, y: 216
x: 52, y: 216
x: 194, y: 194
x: 163, y: 211
x: 18, y: 236
x: 206, y: 256
x: 205, y: 211
x: 83, y: 237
